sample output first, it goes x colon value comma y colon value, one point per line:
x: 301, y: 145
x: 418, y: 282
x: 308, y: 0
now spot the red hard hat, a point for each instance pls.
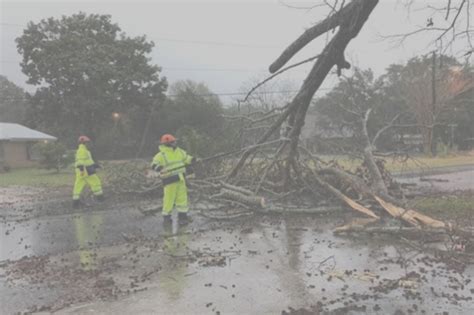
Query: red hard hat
x: 83, y: 139
x: 167, y: 138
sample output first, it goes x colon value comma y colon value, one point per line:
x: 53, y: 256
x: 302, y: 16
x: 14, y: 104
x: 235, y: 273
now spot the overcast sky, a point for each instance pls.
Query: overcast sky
x: 224, y: 43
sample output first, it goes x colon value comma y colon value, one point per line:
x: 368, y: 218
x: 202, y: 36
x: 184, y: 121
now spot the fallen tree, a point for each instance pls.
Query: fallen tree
x: 275, y: 171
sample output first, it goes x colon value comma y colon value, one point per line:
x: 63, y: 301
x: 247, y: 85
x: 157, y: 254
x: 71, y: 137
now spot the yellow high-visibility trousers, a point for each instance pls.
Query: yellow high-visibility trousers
x: 93, y: 181
x: 175, y: 194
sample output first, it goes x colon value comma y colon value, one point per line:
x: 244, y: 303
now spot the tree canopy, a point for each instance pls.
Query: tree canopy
x: 86, y: 69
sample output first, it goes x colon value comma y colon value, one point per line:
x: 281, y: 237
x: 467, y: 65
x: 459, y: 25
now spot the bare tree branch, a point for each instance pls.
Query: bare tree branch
x: 453, y: 23
x: 276, y: 74
x: 310, y: 34
x: 443, y: 40
x: 385, y: 128
x: 448, y: 9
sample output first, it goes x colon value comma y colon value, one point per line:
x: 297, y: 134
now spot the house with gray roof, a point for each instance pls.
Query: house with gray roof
x: 16, y: 142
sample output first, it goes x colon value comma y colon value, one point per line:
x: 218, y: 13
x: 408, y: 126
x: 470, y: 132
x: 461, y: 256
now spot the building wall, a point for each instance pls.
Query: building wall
x: 15, y: 154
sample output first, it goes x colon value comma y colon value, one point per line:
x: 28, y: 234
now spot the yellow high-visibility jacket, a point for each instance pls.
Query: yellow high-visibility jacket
x: 83, y: 157
x: 171, y: 162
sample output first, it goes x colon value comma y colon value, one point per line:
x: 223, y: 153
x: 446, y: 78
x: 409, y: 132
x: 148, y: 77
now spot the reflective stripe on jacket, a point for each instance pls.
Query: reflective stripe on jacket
x: 172, y: 161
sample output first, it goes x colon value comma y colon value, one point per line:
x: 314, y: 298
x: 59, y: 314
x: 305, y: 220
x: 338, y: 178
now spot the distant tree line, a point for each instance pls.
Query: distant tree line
x: 416, y: 108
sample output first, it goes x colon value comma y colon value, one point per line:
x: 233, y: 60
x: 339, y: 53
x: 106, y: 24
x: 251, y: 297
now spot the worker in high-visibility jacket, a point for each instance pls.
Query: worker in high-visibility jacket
x: 171, y: 163
x: 85, y: 173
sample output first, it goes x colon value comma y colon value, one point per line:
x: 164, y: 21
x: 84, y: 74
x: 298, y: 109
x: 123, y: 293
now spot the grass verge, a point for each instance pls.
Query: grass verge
x: 459, y: 207
x: 37, y: 178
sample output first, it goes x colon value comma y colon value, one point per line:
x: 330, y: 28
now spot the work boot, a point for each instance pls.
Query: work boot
x: 100, y: 198
x: 183, y: 218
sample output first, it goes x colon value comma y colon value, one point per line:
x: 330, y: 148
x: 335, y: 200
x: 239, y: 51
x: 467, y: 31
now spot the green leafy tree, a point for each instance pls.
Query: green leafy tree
x: 86, y: 69
x: 12, y: 102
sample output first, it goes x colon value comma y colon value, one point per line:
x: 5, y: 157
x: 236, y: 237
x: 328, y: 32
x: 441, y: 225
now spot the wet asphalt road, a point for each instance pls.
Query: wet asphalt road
x: 256, y: 265
x: 259, y: 266
x: 442, y: 182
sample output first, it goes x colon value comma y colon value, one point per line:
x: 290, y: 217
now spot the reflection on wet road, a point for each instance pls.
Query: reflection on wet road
x: 87, y: 231
x: 62, y: 233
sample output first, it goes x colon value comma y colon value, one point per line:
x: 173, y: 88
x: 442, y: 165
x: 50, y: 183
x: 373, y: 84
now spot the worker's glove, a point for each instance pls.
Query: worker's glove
x: 195, y: 161
x: 97, y: 166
